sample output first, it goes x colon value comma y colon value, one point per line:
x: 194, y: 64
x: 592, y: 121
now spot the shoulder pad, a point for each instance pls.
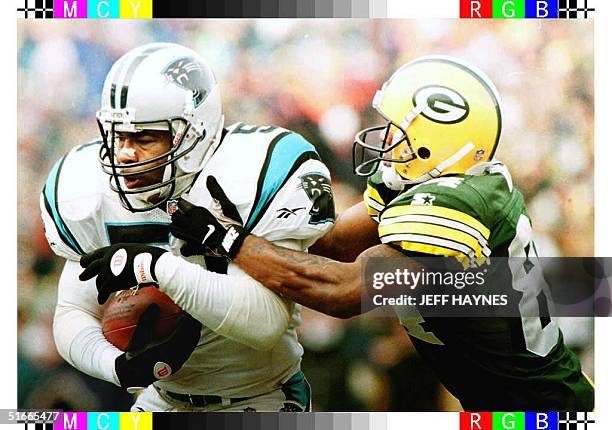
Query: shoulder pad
x: 70, y: 200
x: 444, y: 216
x: 377, y: 195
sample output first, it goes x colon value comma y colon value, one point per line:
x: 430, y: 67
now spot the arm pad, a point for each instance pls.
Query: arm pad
x: 77, y: 330
x: 234, y: 305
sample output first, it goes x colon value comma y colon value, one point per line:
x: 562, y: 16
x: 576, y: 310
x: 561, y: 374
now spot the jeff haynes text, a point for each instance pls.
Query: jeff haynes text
x: 442, y: 299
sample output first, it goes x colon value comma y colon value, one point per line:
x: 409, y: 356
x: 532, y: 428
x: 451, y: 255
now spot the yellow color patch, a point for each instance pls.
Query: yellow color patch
x: 136, y: 8
x: 136, y: 420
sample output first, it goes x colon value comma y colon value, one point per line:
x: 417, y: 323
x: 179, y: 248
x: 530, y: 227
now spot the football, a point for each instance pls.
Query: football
x: 125, y: 307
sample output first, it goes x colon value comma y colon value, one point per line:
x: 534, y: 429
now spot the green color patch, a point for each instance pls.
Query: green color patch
x: 508, y: 421
x: 508, y: 9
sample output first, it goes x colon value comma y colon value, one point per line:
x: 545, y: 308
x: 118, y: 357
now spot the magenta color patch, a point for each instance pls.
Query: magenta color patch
x: 71, y: 421
x: 69, y: 8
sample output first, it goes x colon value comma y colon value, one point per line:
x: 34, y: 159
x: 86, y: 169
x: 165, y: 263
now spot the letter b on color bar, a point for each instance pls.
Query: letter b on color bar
x: 541, y: 9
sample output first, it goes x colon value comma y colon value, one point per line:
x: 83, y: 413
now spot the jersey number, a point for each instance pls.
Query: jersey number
x: 540, y: 335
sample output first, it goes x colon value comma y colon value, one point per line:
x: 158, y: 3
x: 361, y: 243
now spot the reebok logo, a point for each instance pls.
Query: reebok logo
x: 285, y: 213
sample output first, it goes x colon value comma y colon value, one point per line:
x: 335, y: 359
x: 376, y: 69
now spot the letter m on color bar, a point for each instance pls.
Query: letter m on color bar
x: 475, y: 421
x: 476, y: 9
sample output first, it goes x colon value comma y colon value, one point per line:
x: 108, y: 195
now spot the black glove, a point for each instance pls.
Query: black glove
x: 144, y: 362
x: 120, y: 267
x: 220, y: 233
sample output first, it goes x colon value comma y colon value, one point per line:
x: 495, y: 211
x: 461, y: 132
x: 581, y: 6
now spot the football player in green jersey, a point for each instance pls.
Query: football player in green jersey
x: 434, y: 188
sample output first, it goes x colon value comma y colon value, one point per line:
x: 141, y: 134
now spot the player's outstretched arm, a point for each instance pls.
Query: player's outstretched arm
x: 328, y: 286
x: 320, y: 283
x: 353, y: 232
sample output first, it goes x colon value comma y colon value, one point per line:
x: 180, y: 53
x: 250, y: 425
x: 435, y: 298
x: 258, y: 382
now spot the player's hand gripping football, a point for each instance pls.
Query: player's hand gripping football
x: 205, y: 232
x: 145, y: 362
x: 120, y: 267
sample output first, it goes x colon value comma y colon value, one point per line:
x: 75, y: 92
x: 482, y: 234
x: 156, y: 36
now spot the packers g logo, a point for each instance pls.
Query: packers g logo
x: 442, y: 104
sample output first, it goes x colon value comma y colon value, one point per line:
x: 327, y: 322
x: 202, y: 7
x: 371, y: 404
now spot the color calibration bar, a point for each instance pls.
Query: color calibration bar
x: 199, y: 421
x: 292, y: 421
x: 471, y: 9
x: 79, y: 9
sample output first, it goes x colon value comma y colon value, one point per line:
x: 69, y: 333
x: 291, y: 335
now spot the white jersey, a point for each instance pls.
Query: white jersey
x: 282, y: 192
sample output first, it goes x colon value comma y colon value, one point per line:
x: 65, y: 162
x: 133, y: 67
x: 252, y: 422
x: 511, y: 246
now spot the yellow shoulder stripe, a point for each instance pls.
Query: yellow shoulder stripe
x: 439, y: 211
x: 373, y: 193
x: 372, y: 212
x: 434, y: 231
x: 436, y: 250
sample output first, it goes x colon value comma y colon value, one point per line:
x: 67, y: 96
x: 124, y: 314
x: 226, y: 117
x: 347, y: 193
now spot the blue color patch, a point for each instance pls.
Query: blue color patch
x: 50, y: 191
x: 279, y: 167
x: 542, y: 9
x: 541, y: 420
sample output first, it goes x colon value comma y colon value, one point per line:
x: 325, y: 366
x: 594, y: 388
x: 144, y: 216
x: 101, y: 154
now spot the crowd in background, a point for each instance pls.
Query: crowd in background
x: 316, y: 77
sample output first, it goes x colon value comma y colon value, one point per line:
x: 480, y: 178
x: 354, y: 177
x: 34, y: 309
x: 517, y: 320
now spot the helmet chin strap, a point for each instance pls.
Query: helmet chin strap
x: 394, y: 181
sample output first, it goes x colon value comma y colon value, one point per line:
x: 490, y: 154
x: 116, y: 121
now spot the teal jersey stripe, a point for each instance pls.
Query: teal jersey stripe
x: 285, y: 154
x: 50, y: 194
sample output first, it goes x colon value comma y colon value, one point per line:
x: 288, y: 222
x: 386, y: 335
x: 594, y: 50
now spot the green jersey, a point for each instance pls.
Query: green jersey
x: 487, y: 363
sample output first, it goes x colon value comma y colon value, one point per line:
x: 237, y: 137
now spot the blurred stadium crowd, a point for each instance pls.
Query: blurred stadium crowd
x: 316, y: 77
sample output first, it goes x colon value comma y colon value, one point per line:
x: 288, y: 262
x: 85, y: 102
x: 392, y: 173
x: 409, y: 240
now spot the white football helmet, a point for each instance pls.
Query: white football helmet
x: 167, y: 87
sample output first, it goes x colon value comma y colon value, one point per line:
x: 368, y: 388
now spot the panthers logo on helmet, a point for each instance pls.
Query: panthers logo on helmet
x: 188, y: 74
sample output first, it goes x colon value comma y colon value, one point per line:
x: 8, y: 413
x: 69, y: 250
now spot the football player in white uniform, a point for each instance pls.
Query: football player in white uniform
x: 162, y: 136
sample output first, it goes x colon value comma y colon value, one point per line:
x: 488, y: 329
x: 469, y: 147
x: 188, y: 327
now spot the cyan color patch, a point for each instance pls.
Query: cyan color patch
x: 103, y: 421
x: 103, y: 9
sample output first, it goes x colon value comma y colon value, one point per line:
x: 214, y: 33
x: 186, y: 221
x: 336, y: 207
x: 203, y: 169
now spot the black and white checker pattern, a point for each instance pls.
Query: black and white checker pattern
x: 35, y: 9
x: 575, y: 420
x: 574, y: 9
x: 37, y: 426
